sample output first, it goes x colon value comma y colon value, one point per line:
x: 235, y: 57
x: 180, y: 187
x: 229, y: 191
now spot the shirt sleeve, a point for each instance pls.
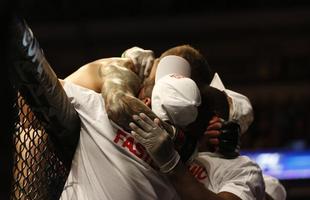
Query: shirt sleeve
x: 240, y: 110
x: 71, y: 91
x: 245, y: 180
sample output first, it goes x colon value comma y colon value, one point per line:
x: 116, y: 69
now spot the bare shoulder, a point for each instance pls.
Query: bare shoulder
x: 88, y: 75
x: 115, y: 62
x: 93, y: 74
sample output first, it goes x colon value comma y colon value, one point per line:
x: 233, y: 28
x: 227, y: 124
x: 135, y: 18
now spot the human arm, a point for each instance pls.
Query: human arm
x: 159, y: 146
x: 90, y: 76
x: 118, y: 81
x: 189, y: 188
x: 119, y: 88
x: 221, y: 136
x: 240, y: 116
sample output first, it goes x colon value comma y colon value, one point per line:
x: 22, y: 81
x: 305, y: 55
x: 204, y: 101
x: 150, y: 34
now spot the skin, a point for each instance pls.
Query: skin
x: 117, y: 80
x: 106, y: 76
x: 187, y: 186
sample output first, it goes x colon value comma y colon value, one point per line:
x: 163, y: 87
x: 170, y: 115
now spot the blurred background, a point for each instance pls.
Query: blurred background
x: 260, y: 49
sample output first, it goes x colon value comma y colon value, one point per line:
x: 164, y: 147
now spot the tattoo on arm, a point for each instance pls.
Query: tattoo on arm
x: 119, y: 90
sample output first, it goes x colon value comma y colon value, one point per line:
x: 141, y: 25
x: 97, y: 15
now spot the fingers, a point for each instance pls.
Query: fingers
x: 214, y: 141
x: 141, y: 70
x: 148, y: 67
x: 215, y: 119
x: 137, y: 68
x: 212, y: 133
x: 214, y: 126
x: 137, y: 131
x: 137, y: 137
x: 215, y: 123
x: 147, y: 120
x: 145, y: 123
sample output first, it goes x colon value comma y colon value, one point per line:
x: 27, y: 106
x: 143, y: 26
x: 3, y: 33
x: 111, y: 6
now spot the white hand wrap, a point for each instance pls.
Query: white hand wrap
x: 142, y: 59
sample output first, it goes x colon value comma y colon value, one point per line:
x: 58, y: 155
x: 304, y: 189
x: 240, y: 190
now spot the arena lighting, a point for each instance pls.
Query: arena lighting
x: 283, y: 164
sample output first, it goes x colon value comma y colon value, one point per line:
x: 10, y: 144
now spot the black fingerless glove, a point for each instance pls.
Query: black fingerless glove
x: 229, y: 145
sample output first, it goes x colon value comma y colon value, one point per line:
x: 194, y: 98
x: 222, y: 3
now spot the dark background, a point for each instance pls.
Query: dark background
x: 259, y: 48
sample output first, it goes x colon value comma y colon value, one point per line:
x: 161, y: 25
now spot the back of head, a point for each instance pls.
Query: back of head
x: 175, y: 96
x: 201, y: 72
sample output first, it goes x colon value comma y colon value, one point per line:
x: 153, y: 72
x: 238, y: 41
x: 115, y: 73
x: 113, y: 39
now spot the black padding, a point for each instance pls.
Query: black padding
x: 37, y: 82
x: 215, y: 102
x: 229, y: 145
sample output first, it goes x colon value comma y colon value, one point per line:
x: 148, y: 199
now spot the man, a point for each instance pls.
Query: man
x: 162, y: 164
x: 240, y: 111
x: 233, y: 107
x: 101, y: 147
x: 108, y: 163
x: 214, y: 100
x: 165, y: 165
x: 237, y: 178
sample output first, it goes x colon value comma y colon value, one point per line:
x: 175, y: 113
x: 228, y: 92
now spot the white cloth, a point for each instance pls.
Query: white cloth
x: 176, y: 98
x: 240, y: 109
x: 108, y: 163
x: 172, y: 65
x: 274, y: 188
x: 239, y: 176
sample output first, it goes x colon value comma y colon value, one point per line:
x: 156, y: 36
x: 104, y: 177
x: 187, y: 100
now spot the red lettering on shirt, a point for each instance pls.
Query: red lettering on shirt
x: 140, y: 150
x: 128, y: 142
x: 119, y: 136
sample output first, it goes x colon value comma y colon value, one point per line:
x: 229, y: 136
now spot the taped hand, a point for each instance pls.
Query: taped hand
x: 142, y: 59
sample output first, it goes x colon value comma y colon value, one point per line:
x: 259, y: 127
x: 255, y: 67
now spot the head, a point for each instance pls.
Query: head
x: 175, y: 97
x: 200, y: 69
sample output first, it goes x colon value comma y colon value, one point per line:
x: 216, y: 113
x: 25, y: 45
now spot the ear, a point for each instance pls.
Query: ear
x: 147, y: 101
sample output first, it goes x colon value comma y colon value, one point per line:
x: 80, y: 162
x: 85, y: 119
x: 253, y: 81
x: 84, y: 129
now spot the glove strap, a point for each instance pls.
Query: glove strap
x: 171, y: 164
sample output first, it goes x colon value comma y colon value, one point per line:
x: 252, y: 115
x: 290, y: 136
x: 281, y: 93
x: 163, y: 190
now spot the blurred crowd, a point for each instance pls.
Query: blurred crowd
x: 279, y: 125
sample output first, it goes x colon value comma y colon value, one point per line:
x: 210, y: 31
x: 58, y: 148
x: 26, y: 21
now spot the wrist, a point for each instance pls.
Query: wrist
x: 169, y: 166
x: 177, y: 171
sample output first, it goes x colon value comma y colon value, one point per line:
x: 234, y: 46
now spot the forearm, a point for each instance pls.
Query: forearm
x: 188, y: 187
x: 119, y: 89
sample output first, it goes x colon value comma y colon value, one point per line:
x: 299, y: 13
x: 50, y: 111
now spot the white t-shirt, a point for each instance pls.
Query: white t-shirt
x: 108, y: 162
x: 274, y: 188
x: 239, y: 176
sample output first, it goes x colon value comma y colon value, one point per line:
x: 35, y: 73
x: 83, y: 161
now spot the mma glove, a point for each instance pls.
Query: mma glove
x: 156, y: 140
x: 229, y: 139
x: 142, y: 59
x: 223, y: 136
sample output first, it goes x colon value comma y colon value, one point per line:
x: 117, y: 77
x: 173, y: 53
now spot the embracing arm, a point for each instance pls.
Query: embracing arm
x: 189, y: 188
x: 89, y: 75
x: 160, y: 147
x: 119, y: 88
